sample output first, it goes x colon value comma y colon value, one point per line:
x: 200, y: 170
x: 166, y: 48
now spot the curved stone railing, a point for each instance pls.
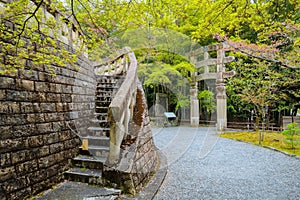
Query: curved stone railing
x: 121, y: 108
x: 117, y: 64
x: 132, y: 154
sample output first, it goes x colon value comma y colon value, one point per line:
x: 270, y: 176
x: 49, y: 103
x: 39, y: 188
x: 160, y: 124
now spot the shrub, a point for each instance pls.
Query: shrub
x: 292, y: 129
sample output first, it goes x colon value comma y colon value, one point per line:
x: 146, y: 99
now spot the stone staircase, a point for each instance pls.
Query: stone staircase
x: 88, y: 165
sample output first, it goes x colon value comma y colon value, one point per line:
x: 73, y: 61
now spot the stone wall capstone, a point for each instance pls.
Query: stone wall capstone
x: 41, y: 116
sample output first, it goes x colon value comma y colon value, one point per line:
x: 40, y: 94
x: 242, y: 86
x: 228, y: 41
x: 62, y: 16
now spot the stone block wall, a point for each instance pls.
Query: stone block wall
x: 139, y: 158
x: 40, y: 115
x: 145, y: 161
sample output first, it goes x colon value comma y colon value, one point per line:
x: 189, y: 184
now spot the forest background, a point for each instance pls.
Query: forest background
x: 263, y: 36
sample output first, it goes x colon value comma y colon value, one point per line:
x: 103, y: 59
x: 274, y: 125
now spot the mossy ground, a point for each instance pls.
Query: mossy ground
x: 271, y: 139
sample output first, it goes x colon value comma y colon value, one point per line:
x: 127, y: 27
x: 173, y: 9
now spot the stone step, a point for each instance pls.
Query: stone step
x: 110, y: 91
x: 100, y: 103
x: 94, y: 128
x: 98, y: 121
x: 104, y: 94
x: 84, y: 175
x: 103, y: 99
x: 97, y: 140
x: 102, y: 123
x: 107, y: 86
x: 101, y: 109
x: 90, y: 162
x: 98, y: 131
x: 101, y: 116
x: 98, y: 151
x: 108, y: 81
x: 96, y: 114
x: 109, y: 77
x: 100, y: 89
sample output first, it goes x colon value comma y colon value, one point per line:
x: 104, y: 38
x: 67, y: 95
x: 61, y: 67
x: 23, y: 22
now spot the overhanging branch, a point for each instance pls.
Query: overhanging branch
x: 33, y: 15
x: 89, y: 14
x: 251, y: 52
x: 214, y: 19
x: 263, y: 57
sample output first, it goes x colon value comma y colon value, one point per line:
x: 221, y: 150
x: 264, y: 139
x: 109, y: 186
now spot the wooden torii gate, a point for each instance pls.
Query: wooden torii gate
x: 201, y: 59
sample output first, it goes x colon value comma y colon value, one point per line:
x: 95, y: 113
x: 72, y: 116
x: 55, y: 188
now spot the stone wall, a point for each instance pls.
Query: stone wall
x: 146, y: 159
x: 139, y: 158
x: 39, y: 114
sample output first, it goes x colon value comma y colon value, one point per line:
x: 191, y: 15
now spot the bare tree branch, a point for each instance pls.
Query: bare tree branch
x: 74, y: 15
x: 26, y: 21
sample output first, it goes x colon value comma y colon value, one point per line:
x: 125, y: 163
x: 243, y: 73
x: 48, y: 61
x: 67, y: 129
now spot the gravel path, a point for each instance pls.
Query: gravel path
x: 203, y: 166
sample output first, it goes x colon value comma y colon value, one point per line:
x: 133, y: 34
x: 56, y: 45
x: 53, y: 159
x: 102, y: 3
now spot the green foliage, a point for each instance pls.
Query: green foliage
x: 183, y: 101
x: 292, y: 130
x: 165, y: 72
x: 262, y: 86
x: 162, y: 33
x: 27, y: 33
x: 265, y: 30
x: 271, y: 25
x: 207, y: 101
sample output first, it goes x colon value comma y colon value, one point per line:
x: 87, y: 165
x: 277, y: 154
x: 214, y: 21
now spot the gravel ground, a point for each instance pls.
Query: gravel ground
x: 203, y: 166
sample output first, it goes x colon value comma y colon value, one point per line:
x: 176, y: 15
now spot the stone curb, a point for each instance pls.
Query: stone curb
x: 283, y: 152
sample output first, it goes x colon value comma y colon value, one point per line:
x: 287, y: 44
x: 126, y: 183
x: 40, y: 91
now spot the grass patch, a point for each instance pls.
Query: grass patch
x: 271, y: 139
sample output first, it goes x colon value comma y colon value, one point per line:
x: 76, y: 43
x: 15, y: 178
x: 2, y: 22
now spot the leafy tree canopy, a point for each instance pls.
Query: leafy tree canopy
x: 266, y: 30
x: 263, y: 29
